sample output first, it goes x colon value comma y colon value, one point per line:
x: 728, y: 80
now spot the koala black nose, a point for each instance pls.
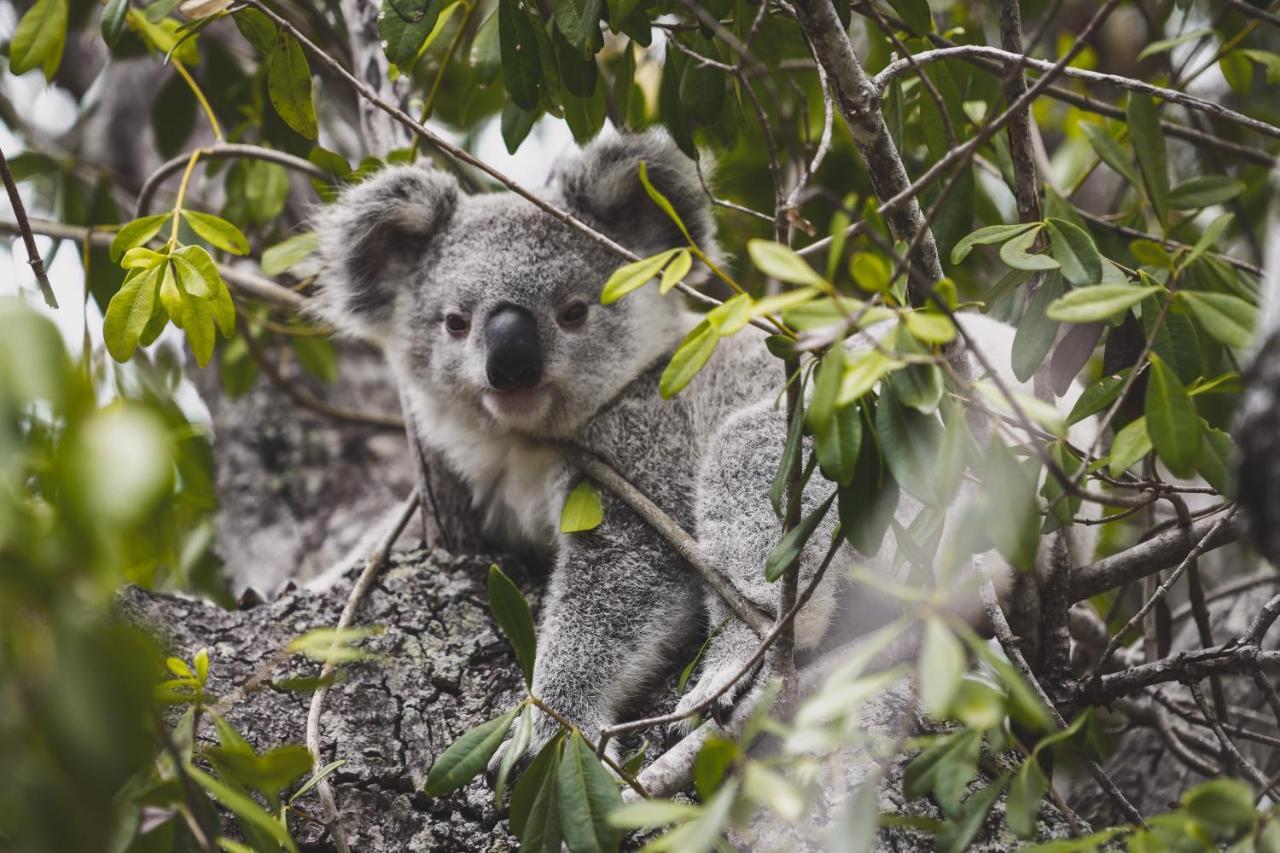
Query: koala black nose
x: 515, y: 352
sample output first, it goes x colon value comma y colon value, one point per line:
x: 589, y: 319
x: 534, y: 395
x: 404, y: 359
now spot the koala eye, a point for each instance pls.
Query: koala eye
x: 573, y: 315
x: 457, y: 324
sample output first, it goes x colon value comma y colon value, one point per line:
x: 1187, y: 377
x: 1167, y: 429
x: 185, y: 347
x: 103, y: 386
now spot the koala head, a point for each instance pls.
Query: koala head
x: 489, y: 306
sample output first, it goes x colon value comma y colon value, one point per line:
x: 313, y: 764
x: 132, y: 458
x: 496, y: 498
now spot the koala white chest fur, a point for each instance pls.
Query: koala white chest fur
x: 490, y: 314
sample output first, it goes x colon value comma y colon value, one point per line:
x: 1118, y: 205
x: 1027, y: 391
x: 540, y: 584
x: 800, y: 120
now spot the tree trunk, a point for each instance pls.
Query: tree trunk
x: 442, y: 667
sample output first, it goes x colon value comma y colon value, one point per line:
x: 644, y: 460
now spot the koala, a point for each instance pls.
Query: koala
x: 490, y: 316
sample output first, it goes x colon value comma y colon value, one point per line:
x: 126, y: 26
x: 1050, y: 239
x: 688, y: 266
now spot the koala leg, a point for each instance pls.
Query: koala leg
x: 737, y: 529
x: 621, y: 611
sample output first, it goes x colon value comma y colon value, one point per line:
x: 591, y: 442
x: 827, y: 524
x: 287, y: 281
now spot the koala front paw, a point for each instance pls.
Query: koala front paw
x: 713, y: 681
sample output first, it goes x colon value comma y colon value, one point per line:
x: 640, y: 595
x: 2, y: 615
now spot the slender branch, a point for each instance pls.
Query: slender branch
x: 1262, y: 622
x: 246, y: 284
x: 684, y: 544
x: 1009, y: 642
x: 1228, y: 745
x: 747, y: 667
x: 307, y: 400
x: 24, y: 229
x: 358, y: 592
x: 1010, y: 59
x: 223, y: 151
x: 1160, y: 552
x: 1161, y: 591
x: 1227, y: 659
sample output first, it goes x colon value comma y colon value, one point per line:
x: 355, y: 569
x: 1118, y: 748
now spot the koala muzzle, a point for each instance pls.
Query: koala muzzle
x: 515, y: 351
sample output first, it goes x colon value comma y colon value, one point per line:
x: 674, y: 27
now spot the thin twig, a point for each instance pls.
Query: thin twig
x: 358, y: 592
x: 1161, y: 591
x: 1000, y: 625
x: 24, y: 228
x: 307, y: 400
x: 684, y: 544
x: 220, y: 152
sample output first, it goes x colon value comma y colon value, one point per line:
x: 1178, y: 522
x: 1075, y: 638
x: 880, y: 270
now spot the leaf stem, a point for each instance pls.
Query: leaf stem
x: 182, y: 193
x: 204, y: 102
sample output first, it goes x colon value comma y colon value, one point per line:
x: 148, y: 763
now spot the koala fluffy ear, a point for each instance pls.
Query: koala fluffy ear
x: 371, y: 240
x: 603, y: 184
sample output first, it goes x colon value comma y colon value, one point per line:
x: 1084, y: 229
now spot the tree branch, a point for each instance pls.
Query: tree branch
x: 1162, y: 551
x: 24, y: 228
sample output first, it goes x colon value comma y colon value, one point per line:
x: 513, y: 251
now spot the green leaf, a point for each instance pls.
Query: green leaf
x: 259, y: 30
x: 656, y: 196
x: 1130, y: 444
x: 942, y: 665
x: 870, y: 272
x: 516, y: 124
x: 516, y: 749
x: 217, y: 232
x: 1014, y: 253
x: 316, y: 356
x: 1153, y: 160
x: 1096, y: 397
x: 197, y: 323
x: 1022, y: 810
x: 790, y: 457
x: 404, y: 26
x: 540, y: 776
x: 1075, y: 251
x: 778, y: 261
x: 702, y: 834
x: 1226, y: 805
x: 702, y: 89
x: 915, y: 14
x: 785, y: 554
x: 635, y: 275
x: 1036, y: 333
x: 578, y: 20
x: 650, y: 813
x: 1204, y: 191
x: 826, y: 385
x: 315, y: 779
x: 521, y: 68
x: 242, y: 806
x: 582, y: 509
x: 587, y: 795
x: 197, y: 272
x: 732, y: 316
x: 1228, y: 318
x: 289, y: 86
x: 675, y: 271
x: 930, y: 327
x: 511, y: 612
x: 862, y: 374
x: 136, y: 233
x: 1172, y: 420
x: 958, y: 833
x: 1164, y: 45
x: 39, y: 39
x: 1217, y: 458
x: 129, y: 311
x: 868, y: 503
x: 269, y: 773
x: 468, y: 755
x: 113, y: 15
x: 1207, y: 239
x: 692, y: 354
x: 1098, y: 302
x: 990, y: 235
x: 585, y: 116
x: 838, y: 443
x: 1110, y: 152
x: 577, y: 70
x: 910, y: 443
x: 1012, y: 518
x: 287, y: 254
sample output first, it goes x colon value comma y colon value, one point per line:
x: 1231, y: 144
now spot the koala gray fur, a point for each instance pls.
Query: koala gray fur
x: 407, y: 252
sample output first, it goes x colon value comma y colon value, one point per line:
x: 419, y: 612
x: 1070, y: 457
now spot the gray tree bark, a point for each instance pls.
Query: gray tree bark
x: 442, y: 668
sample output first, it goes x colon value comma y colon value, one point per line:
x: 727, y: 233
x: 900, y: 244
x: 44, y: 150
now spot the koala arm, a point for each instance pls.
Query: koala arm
x: 619, y: 612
